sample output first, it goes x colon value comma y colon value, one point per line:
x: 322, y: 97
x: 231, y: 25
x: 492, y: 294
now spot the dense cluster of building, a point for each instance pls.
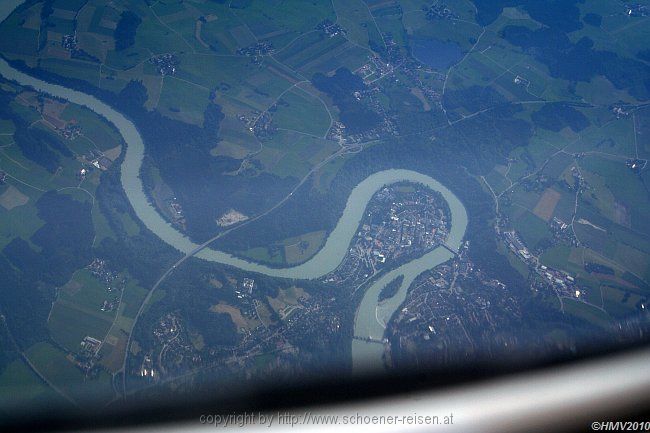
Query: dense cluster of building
x: 278, y: 331
x: 260, y: 124
x: 70, y: 131
x: 562, y: 233
x: 174, y: 353
x: 165, y: 64
x: 113, y: 281
x: 88, y: 354
x: 401, y: 220
x: 562, y: 283
x: 441, y: 11
x: 375, y: 68
x: 450, y: 312
x: 261, y: 48
x: 99, y: 269
x: 330, y: 29
x: 177, y: 214
x: 69, y: 42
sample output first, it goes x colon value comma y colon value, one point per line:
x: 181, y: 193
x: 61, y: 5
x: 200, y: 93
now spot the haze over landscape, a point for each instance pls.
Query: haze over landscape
x: 206, y: 195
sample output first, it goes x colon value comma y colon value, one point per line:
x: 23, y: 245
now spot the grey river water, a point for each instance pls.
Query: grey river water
x: 371, y: 315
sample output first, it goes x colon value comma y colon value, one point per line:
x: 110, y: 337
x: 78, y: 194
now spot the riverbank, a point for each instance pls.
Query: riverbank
x: 370, y: 319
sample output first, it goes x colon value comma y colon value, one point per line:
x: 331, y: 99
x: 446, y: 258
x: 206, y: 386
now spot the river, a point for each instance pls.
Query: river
x: 370, y: 316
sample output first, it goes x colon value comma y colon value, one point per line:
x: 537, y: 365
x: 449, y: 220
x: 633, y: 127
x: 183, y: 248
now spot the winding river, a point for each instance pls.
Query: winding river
x: 371, y: 316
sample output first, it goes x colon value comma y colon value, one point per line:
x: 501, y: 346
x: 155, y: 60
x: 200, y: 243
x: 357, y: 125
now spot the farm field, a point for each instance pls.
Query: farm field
x: 24, y: 387
x: 32, y: 192
x: 60, y: 371
x: 244, y: 127
x: 77, y: 311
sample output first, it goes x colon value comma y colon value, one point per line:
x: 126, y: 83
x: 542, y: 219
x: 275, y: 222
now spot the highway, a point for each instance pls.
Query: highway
x: 342, y: 151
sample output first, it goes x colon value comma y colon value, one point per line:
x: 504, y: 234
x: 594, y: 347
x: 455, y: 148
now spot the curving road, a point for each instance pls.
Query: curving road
x: 325, y: 261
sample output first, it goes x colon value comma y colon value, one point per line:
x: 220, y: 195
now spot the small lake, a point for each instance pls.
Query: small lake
x: 435, y: 53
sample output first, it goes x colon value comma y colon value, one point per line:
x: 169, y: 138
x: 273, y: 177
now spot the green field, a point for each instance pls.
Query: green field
x: 586, y: 312
x: 299, y: 249
x: 22, y: 388
x: 535, y: 115
x: 532, y: 229
x: 265, y: 255
x: 299, y: 111
x: 133, y: 296
x: 76, y: 312
x: 67, y: 377
x: 183, y: 101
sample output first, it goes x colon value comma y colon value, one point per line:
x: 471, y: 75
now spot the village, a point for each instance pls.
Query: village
x: 562, y: 283
x: 402, y: 220
x: 265, y: 325
x: 89, y: 353
x: 451, y: 312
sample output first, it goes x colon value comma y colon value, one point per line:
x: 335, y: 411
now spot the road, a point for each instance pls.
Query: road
x: 29, y: 363
x: 342, y: 151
